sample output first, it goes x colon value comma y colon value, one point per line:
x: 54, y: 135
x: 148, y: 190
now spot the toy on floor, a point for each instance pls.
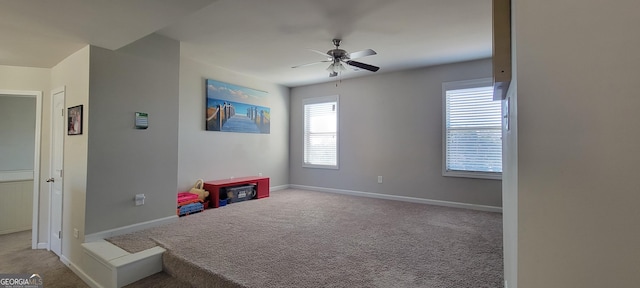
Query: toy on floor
x: 186, y: 196
x: 186, y: 203
x: 199, y: 190
x: 190, y: 209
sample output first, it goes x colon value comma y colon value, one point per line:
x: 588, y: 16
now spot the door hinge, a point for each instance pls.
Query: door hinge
x: 61, y: 174
x: 60, y: 234
x: 62, y: 112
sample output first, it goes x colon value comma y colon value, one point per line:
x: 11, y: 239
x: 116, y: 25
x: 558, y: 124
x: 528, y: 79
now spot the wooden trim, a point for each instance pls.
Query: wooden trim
x: 501, y: 48
x: 18, y: 175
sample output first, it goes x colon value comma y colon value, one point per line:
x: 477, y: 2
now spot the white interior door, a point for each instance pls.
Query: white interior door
x: 57, y: 145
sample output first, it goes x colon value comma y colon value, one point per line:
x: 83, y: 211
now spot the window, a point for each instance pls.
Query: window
x: 472, y: 130
x: 321, y: 132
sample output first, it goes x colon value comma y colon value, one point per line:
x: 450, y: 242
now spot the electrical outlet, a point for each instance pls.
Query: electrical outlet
x: 379, y: 179
x: 139, y: 199
x: 75, y: 233
x: 260, y: 174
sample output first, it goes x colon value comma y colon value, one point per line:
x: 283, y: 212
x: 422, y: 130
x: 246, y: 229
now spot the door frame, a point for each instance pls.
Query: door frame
x: 36, y: 159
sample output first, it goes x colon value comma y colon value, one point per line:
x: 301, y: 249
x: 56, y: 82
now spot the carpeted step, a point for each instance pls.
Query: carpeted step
x: 194, y: 275
x: 159, y: 280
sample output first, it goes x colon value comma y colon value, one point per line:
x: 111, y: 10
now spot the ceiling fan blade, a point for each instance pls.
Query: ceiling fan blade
x: 363, y: 66
x: 309, y: 64
x: 321, y: 53
x: 363, y: 53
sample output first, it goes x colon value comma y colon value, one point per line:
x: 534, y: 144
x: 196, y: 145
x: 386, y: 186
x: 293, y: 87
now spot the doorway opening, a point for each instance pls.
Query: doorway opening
x: 20, y: 127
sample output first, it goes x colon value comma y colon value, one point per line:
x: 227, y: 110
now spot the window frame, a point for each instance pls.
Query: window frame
x: 318, y: 100
x: 457, y: 85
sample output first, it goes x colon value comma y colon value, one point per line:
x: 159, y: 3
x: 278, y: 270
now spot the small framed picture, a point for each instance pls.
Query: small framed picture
x: 74, y: 124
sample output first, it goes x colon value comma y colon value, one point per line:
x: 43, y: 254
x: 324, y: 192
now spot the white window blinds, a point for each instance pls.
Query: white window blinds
x: 321, y: 132
x: 473, y: 127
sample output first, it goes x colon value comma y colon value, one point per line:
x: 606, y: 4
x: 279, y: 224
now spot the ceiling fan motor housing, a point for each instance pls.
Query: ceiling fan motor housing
x: 337, y: 54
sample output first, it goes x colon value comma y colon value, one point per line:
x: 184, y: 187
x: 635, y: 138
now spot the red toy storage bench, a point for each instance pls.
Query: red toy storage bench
x: 262, y: 187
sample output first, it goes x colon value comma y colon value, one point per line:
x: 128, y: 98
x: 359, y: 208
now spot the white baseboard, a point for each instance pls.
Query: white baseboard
x: 14, y: 230
x: 401, y: 198
x: 75, y: 269
x: 129, y: 229
x: 43, y: 246
x: 278, y: 188
x: 111, y: 266
x: 134, y: 267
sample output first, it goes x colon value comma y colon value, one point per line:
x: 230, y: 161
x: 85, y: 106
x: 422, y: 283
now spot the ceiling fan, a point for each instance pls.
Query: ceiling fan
x: 338, y: 58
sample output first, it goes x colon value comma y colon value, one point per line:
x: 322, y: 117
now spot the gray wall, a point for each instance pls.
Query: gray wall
x: 17, y: 132
x: 390, y: 125
x: 577, y: 143
x: 123, y: 161
x: 218, y: 155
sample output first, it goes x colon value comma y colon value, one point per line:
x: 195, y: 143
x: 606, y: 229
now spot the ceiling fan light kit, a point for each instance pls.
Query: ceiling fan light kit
x: 339, y: 57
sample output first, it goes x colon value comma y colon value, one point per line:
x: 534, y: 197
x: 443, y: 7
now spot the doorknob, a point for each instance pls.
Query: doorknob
x: 51, y: 180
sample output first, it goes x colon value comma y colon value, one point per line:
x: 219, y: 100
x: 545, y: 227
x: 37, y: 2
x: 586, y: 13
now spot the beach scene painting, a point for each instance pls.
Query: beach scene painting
x: 233, y: 108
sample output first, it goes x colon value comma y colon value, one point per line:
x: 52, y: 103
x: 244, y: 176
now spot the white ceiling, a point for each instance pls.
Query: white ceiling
x: 258, y: 38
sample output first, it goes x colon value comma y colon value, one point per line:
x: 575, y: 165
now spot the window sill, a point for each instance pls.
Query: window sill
x: 330, y: 167
x: 477, y: 175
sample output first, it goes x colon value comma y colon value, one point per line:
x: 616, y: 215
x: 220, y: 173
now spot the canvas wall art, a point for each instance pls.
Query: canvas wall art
x: 233, y: 108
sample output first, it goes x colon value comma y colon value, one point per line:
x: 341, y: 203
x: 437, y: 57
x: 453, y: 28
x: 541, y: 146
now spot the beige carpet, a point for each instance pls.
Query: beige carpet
x: 299, y: 238
x: 16, y: 256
